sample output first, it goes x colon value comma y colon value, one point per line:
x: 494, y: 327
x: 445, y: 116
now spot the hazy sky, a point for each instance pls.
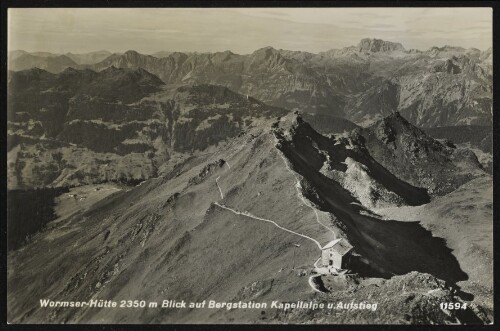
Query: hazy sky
x: 243, y: 30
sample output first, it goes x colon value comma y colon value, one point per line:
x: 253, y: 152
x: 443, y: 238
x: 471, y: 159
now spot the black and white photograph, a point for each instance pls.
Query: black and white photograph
x: 260, y: 165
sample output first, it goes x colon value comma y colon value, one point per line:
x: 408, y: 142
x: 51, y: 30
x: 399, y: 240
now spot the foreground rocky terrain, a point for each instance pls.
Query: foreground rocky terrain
x: 204, y: 230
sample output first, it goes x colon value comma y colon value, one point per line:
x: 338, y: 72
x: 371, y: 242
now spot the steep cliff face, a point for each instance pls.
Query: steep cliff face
x: 437, y: 167
x: 378, y: 45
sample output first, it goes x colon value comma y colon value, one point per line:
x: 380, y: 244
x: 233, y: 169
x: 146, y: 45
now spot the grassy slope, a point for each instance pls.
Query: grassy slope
x: 184, y: 248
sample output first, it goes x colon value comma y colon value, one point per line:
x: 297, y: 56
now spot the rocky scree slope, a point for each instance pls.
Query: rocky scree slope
x: 412, y: 155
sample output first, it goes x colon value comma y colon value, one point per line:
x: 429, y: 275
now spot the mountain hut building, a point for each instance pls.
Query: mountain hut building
x: 336, y: 253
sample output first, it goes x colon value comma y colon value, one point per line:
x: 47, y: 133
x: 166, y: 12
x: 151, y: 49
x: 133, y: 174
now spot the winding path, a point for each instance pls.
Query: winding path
x: 247, y: 214
x: 316, y: 213
x: 301, y: 197
x: 217, y: 183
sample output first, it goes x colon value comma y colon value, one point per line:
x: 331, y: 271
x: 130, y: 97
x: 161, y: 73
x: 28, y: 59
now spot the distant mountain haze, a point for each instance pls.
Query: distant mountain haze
x: 362, y: 83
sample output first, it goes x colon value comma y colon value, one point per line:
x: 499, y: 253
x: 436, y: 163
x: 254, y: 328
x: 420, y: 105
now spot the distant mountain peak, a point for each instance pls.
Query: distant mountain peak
x: 449, y: 47
x: 268, y: 56
x: 62, y: 58
x: 445, y: 50
x: 131, y: 52
x: 393, y: 120
x: 136, y: 72
x: 266, y: 51
x: 266, y: 48
x: 379, y: 45
x: 132, y: 55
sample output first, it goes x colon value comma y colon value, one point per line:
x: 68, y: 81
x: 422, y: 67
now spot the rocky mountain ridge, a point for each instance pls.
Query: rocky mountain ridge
x: 442, y: 86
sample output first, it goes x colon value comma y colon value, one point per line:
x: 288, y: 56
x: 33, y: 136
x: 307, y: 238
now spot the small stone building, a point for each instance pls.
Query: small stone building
x: 336, y: 253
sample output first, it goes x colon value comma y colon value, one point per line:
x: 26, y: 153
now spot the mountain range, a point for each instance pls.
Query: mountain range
x: 442, y: 86
x: 125, y: 122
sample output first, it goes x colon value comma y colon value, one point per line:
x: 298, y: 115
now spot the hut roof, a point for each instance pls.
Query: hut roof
x: 341, y: 246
